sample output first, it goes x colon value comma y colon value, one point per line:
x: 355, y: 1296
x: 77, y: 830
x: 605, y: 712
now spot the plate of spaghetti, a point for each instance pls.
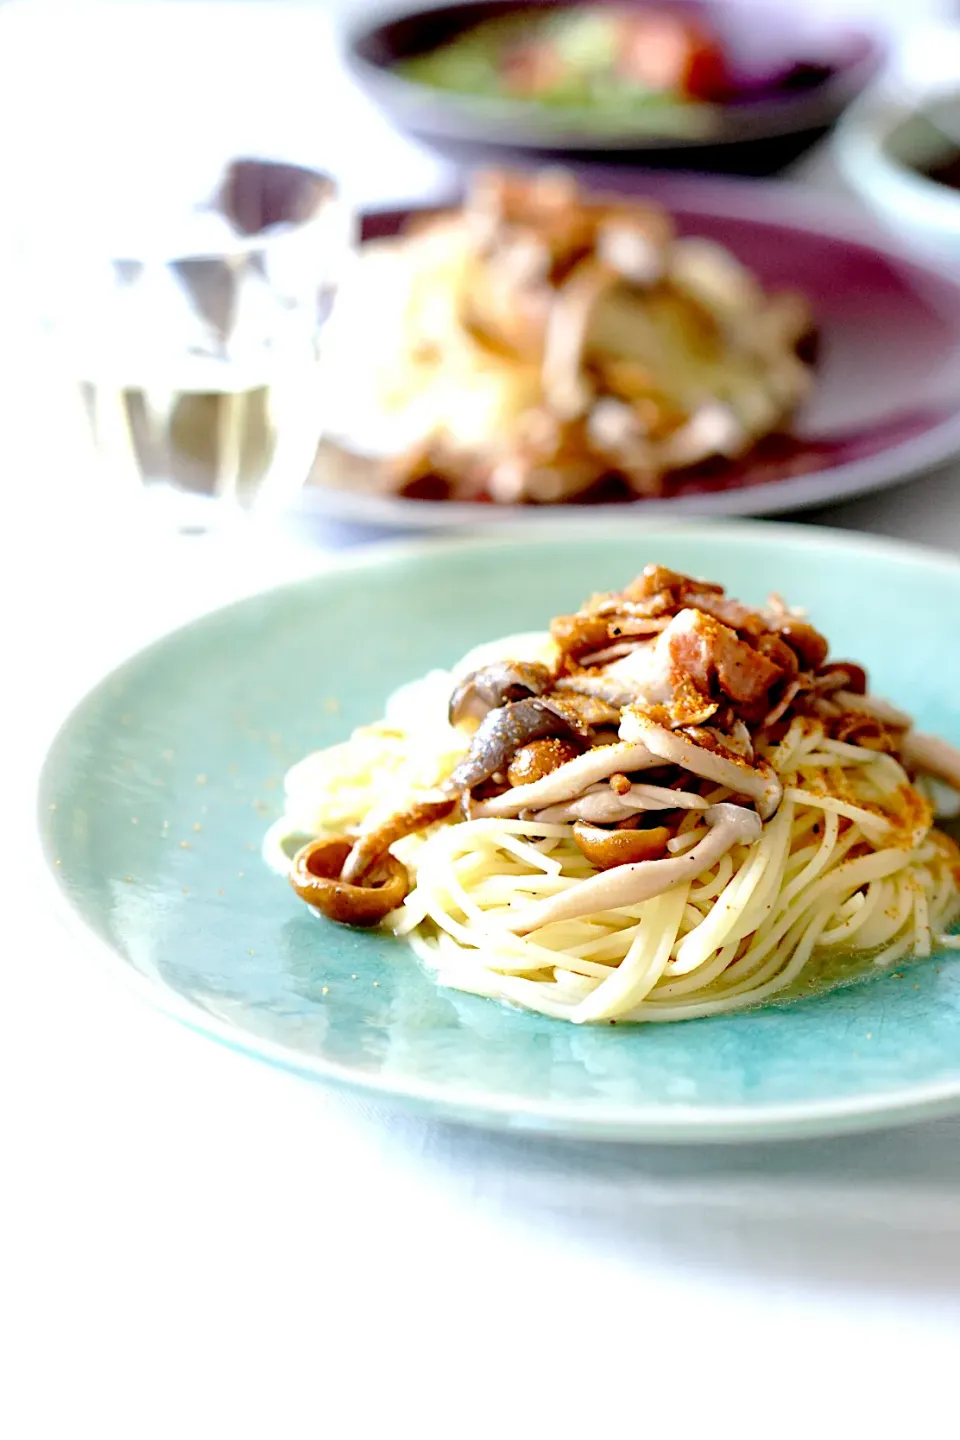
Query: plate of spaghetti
x: 643, y: 835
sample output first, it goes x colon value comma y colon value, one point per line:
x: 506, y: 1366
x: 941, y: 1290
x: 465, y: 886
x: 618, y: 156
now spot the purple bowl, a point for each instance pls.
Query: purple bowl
x: 791, y: 78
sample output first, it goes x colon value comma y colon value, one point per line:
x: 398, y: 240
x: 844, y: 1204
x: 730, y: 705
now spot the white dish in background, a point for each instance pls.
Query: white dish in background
x: 873, y: 155
x: 878, y: 143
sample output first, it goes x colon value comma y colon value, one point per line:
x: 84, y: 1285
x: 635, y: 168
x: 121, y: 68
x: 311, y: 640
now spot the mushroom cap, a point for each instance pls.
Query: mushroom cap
x: 608, y: 848
x: 494, y: 685
x: 316, y: 877
x: 503, y: 731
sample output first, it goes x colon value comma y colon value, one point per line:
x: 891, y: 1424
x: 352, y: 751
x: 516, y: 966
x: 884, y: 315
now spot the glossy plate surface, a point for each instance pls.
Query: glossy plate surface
x: 159, y: 787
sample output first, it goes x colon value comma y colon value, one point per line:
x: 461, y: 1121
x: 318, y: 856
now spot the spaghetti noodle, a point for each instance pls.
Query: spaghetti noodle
x: 710, y: 817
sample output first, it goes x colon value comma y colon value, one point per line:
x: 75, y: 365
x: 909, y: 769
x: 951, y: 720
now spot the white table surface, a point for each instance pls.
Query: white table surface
x: 192, y: 1245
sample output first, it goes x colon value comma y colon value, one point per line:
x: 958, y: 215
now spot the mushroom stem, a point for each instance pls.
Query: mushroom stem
x: 370, y: 849
x: 932, y: 756
x: 602, y: 805
x: 874, y: 706
x: 567, y: 782
x: 630, y: 884
x: 759, y: 782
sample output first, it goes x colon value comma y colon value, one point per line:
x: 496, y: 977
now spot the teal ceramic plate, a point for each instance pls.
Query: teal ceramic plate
x: 160, y: 785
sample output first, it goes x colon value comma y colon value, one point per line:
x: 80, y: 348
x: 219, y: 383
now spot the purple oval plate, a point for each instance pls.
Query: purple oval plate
x: 887, y: 400
x: 791, y: 77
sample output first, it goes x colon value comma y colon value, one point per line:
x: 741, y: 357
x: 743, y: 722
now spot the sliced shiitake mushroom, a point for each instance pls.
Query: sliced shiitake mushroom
x: 504, y: 731
x: 495, y: 685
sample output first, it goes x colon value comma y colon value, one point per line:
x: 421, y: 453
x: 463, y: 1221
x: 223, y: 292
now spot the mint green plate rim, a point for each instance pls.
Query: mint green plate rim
x: 676, y: 1124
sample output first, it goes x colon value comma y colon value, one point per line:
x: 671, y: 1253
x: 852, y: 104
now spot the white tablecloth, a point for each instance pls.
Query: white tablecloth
x: 196, y: 1246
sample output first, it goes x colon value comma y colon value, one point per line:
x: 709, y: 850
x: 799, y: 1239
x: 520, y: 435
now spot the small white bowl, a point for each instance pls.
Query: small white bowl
x: 881, y: 148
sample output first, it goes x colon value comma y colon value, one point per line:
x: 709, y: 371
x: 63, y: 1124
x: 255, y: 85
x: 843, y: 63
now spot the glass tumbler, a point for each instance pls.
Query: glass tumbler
x: 196, y: 344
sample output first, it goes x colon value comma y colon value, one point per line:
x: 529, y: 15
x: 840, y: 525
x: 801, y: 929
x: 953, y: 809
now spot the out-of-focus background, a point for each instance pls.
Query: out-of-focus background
x: 144, y: 88
x: 137, y: 82
x: 130, y: 106
x: 196, y: 1248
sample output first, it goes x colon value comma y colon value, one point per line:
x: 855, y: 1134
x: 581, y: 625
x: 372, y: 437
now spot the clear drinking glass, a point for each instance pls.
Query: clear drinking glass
x: 196, y: 343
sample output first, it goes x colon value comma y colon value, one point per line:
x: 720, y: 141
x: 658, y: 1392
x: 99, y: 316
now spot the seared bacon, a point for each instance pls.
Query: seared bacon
x: 692, y: 678
x: 669, y: 680
x: 702, y: 648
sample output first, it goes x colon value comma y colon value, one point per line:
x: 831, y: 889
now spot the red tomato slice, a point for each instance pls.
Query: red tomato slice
x: 665, y: 52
